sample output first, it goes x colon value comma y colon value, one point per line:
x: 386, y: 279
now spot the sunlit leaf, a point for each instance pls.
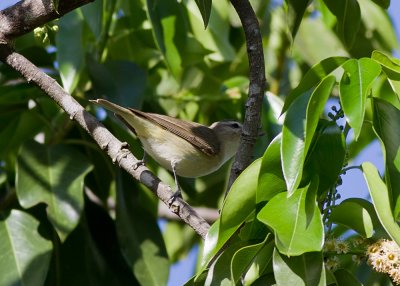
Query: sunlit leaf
x: 295, y: 11
x: 387, y: 127
x: 237, y: 207
x: 52, y: 175
x: 298, y: 130
x: 313, y: 77
x: 348, y: 16
x: 305, y: 270
x: 70, y: 49
x: 205, y: 10
x: 354, y: 86
x: 243, y: 258
x: 390, y: 65
x: 270, y: 180
x: 356, y: 214
x: 24, y: 254
x: 381, y: 201
x: 295, y: 220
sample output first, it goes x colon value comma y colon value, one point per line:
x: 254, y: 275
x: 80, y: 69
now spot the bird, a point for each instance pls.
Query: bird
x: 188, y: 149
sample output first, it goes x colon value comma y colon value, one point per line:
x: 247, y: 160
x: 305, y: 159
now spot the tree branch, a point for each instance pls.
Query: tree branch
x: 111, y: 145
x: 26, y: 15
x: 13, y: 23
x: 256, y: 89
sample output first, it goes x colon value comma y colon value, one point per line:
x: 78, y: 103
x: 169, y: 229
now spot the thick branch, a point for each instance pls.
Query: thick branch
x: 114, y: 148
x: 256, y: 89
x: 26, y: 15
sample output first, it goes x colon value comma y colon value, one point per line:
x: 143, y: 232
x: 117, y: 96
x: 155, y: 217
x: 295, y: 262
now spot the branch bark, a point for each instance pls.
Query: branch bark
x: 14, y: 23
x: 256, y: 88
x: 26, y: 15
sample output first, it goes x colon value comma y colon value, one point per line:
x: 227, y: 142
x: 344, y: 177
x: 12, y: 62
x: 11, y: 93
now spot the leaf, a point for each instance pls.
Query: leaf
x: 243, y: 258
x: 295, y: 220
x: 261, y: 264
x: 383, y: 3
x: 216, y: 38
x: 313, y: 76
x: 356, y: 214
x: 170, y: 32
x: 294, y: 14
x: 17, y: 131
x: 219, y: 273
x: 24, y: 254
x: 386, y: 123
x: 121, y: 82
x: 307, y: 269
x: 238, y: 205
x: 390, y: 65
x: 381, y: 201
x: 344, y: 277
x: 270, y: 179
x: 329, y: 146
x: 298, y: 130
x: 354, y: 86
x: 70, y: 49
x: 140, y: 238
x: 385, y: 89
x: 348, y: 15
x: 205, y: 10
x: 53, y: 175
x: 315, y: 41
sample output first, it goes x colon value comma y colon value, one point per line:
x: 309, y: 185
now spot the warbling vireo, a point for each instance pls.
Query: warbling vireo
x: 188, y: 149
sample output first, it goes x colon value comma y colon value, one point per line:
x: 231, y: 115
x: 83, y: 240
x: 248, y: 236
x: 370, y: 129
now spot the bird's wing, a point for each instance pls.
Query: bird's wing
x: 200, y: 136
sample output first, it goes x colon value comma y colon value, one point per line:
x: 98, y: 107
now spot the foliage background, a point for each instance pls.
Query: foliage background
x: 108, y: 49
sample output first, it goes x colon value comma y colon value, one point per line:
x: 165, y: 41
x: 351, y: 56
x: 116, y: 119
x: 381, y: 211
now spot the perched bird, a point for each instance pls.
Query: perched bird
x: 188, y: 149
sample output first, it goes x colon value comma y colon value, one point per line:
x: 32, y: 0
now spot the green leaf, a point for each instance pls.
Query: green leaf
x: 139, y: 236
x: 261, y: 264
x: 354, y: 86
x: 170, y: 33
x: 383, y: 3
x: 238, y: 205
x: 356, y: 214
x: 270, y: 179
x: 70, y: 49
x: 19, y: 130
x: 307, y: 269
x: 296, y: 221
x: 378, y: 22
x: 93, y: 15
x: 346, y: 278
x: 315, y: 41
x: 386, y: 122
x: 121, y: 82
x: 219, y: 272
x: 313, y: 76
x: 385, y: 89
x: 381, y: 201
x: 25, y: 254
x: 243, y: 258
x: 298, y: 130
x: 53, y: 175
x: 390, y: 65
x: 329, y: 146
x: 205, y: 10
x: 348, y: 16
x: 295, y: 11
x: 216, y: 38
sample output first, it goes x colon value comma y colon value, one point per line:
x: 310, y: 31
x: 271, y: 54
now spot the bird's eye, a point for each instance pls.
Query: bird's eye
x: 235, y: 125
